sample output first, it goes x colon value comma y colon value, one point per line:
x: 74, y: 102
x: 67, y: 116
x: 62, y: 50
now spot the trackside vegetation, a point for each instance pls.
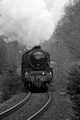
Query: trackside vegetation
x: 73, y: 88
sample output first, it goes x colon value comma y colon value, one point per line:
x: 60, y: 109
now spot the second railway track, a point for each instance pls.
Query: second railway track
x: 43, y: 109
x: 15, y: 107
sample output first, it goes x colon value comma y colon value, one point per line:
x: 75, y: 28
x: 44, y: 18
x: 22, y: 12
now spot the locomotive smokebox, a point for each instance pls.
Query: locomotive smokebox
x: 38, y: 59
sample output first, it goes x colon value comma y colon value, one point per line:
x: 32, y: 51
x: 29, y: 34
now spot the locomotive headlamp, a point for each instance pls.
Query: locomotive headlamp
x: 26, y: 73
x: 50, y: 73
x: 43, y: 73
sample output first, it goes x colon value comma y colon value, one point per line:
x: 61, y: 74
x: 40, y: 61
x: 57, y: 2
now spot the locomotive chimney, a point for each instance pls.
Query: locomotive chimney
x: 37, y: 47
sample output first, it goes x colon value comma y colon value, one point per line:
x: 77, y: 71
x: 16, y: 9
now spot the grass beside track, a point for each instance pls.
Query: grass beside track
x: 11, y: 102
x: 60, y: 108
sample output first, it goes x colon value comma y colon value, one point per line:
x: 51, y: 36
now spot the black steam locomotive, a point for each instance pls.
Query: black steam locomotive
x: 36, y: 69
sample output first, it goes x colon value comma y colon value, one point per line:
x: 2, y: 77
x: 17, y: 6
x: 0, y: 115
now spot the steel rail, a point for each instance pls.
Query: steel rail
x: 15, y: 107
x: 42, y: 109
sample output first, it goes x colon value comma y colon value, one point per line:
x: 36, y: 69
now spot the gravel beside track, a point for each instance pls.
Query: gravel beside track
x: 12, y: 101
x: 36, y: 101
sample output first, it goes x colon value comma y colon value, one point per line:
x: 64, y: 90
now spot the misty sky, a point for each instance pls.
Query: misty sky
x: 30, y: 21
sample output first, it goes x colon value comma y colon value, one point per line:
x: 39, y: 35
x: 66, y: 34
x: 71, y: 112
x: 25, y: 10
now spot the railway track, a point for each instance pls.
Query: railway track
x: 43, y: 109
x: 23, y: 102
x: 16, y: 107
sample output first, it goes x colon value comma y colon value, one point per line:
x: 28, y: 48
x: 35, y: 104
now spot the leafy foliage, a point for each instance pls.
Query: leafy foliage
x: 68, y: 28
x: 73, y: 88
x: 3, y: 56
x: 10, y: 60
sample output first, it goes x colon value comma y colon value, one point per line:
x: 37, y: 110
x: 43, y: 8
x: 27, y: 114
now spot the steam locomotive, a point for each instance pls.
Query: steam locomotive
x: 36, y: 69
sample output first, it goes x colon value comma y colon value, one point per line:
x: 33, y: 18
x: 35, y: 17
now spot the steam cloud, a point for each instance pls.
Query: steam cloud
x: 30, y: 22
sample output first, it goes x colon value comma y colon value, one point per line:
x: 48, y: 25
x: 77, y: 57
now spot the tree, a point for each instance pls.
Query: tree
x: 68, y: 28
x: 8, y: 68
x: 6, y: 87
x: 73, y: 88
x: 3, y: 56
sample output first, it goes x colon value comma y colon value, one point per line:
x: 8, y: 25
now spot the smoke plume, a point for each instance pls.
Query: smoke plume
x: 30, y: 22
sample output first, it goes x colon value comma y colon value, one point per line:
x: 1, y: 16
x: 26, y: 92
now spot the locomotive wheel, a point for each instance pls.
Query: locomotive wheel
x: 31, y: 87
x: 45, y: 88
x: 27, y: 87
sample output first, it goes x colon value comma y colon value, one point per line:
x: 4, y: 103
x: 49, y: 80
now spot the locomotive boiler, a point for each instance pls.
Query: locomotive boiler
x: 36, y: 69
